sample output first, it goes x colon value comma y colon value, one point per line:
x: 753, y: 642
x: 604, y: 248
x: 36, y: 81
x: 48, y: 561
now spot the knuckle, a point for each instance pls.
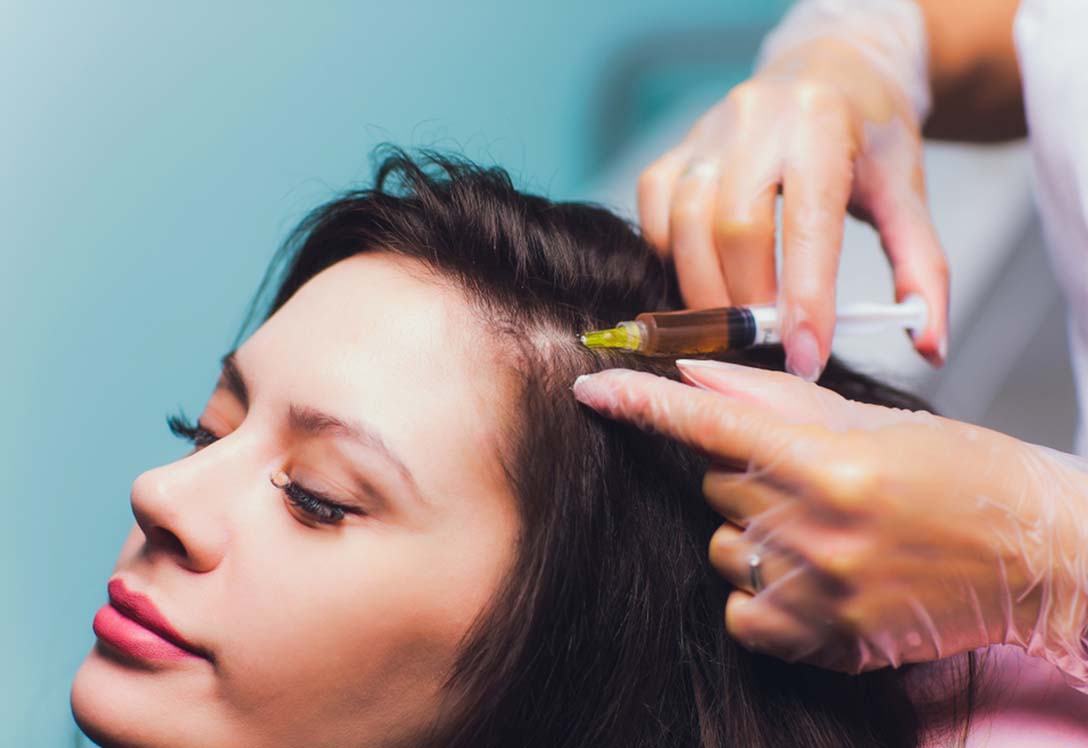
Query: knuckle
x: 722, y: 547
x: 816, y: 220
x: 721, y: 483
x: 686, y: 210
x: 744, y: 627
x: 849, y: 483
x: 716, y: 483
x: 723, y: 497
x: 940, y: 269
x: 807, y: 294
x: 688, y: 419
x: 650, y: 181
x: 717, y: 420
x: 745, y: 96
x: 816, y: 96
x: 842, y: 561
x: 926, y: 270
x: 736, y: 230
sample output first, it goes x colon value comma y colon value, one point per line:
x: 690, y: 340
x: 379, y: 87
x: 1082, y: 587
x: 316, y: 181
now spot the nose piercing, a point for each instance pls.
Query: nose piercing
x: 280, y: 479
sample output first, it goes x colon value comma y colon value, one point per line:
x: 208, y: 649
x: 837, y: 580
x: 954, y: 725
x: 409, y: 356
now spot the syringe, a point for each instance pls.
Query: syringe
x: 728, y: 328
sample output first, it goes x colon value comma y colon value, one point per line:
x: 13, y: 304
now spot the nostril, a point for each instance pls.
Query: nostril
x: 166, y: 540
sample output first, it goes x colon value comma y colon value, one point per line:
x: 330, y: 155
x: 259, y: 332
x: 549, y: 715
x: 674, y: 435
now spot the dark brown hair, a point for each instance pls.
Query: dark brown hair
x: 609, y: 631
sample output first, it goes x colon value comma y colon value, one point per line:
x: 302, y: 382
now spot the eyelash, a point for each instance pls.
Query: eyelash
x: 181, y: 427
x: 318, y: 507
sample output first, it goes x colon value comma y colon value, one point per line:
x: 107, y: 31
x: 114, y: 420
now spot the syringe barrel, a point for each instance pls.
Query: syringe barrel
x: 698, y: 332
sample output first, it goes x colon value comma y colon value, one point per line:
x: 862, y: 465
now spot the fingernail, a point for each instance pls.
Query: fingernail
x: 939, y: 355
x: 702, y: 363
x: 590, y: 390
x: 706, y: 375
x: 803, y: 355
x: 584, y: 383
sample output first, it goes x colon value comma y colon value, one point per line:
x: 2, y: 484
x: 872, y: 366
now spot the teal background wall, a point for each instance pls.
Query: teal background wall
x: 152, y: 156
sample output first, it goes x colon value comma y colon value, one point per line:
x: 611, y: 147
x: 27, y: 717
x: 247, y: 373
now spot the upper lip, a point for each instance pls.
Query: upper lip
x: 139, y: 608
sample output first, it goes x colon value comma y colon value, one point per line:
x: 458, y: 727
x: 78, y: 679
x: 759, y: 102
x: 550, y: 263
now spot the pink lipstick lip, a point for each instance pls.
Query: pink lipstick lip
x: 138, y: 608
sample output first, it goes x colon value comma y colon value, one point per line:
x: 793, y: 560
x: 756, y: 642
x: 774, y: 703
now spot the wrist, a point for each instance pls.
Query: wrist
x: 835, y: 65
x: 1056, y: 555
x: 889, y: 34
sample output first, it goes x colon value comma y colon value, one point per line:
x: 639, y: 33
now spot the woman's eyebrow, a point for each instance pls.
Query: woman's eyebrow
x: 316, y: 423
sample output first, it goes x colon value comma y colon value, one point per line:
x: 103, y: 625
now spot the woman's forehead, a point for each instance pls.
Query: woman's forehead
x: 376, y: 338
x: 376, y: 309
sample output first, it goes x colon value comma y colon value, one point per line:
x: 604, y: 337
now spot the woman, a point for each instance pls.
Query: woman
x: 397, y: 528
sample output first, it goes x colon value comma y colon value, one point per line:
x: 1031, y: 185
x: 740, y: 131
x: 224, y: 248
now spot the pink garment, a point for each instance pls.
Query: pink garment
x: 1026, y: 704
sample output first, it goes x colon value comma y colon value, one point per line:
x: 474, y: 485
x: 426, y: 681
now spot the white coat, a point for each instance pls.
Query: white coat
x: 1053, y: 52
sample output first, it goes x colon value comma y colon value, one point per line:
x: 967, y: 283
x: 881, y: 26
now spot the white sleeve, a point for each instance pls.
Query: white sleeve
x: 891, y: 33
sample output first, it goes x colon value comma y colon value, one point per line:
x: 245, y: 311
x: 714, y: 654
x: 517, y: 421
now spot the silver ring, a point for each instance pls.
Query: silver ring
x: 755, y: 572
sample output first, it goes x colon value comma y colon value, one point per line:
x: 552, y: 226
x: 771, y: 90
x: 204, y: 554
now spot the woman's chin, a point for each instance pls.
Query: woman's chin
x: 117, y: 705
x: 107, y: 716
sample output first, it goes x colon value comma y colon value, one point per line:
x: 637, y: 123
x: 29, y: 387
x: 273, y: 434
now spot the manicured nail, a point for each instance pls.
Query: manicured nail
x: 583, y: 384
x: 803, y: 355
x: 706, y: 375
x: 939, y: 355
x: 589, y: 389
x: 702, y: 363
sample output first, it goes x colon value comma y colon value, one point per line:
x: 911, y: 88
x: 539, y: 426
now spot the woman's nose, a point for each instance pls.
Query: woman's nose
x: 179, y: 514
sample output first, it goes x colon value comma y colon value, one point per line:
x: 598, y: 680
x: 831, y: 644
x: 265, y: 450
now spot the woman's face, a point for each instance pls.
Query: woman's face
x: 365, y: 390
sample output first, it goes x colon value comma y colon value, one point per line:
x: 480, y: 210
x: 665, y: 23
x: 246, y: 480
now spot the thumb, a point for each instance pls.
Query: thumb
x: 789, y: 397
x: 891, y: 195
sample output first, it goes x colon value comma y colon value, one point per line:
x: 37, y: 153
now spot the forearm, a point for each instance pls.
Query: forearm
x: 973, y: 71
x: 953, y: 63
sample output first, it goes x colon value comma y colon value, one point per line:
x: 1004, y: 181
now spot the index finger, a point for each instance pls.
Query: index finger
x: 732, y: 431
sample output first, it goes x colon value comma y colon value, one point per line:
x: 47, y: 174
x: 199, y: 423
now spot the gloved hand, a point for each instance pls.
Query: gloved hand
x: 831, y: 118
x: 881, y: 536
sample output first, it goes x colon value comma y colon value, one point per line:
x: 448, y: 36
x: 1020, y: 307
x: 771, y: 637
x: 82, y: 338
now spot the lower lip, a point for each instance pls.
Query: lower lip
x: 123, y: 633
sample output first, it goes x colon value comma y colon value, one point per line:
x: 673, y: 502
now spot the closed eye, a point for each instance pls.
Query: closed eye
x: 317, y: 508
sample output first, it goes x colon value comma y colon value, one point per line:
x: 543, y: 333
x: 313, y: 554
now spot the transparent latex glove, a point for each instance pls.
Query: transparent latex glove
x: 830, y: 119
x: 884, y: 536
